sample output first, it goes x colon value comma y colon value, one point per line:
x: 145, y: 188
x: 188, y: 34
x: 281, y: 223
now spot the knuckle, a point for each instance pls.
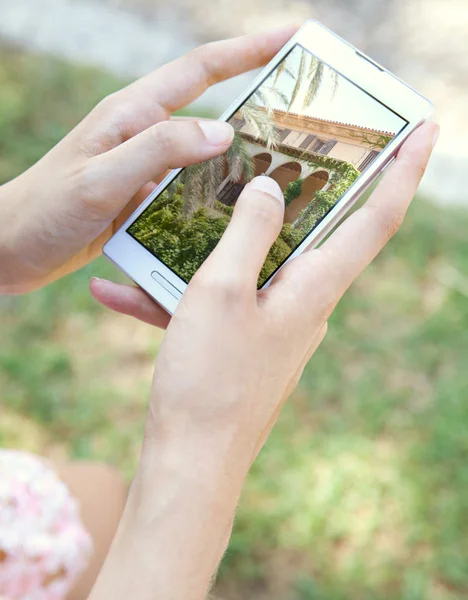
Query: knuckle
x: 413, y: 164
x: 327, y: 294
x: 200, y: 57
x: 104, y: 127
x: 88, y: 189
x: 225, y: 288
x: 107, y: 107
x: 84, y: 181
x: 325, y: 305
x: 388, y: 221
x: 391, y: 223
x: 161, y: 133
x: 421, y: 170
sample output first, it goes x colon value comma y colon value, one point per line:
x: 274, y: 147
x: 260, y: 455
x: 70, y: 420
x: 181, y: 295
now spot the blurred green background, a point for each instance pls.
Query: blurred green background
x: 362, y: 490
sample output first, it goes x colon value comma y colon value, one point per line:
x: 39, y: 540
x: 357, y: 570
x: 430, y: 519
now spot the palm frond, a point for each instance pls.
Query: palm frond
x: 260, y: 123
x: 213, y: 180
x: 270, y: 94
x: 313, y: 65
x: 283, y: 67
x: 316, y: 74
x: 299, y: 78
x: 335, y: 80
x: 259, y: 97
x: 201, y: 184
x: 240, y: 163
x: 194, y: 177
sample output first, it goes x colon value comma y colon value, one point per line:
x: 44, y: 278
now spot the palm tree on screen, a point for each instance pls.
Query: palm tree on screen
x: 314, y: 71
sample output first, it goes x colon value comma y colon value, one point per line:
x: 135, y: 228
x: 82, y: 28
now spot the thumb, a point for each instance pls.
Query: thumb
x: 255, y: 225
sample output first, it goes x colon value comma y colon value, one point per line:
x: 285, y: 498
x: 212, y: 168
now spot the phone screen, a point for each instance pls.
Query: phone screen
x: 306, y: 126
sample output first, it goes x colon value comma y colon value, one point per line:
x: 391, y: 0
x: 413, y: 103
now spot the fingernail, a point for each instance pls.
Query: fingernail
x: 268, y: 185
x: 435, y: 135
x: 218, y: 133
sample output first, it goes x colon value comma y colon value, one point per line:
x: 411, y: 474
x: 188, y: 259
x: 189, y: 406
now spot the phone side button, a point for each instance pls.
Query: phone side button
x: 173, y: 291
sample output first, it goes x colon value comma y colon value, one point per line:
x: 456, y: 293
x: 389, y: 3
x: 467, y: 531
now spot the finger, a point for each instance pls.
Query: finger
x: 356, y: 243
x: 329, y: 270
x: 129, y: 300
x: 166, y: 145
x: 176, y: 84
x: 254, y: 226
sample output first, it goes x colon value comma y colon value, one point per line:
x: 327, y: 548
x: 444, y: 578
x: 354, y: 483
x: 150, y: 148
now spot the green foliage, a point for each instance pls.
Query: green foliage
x: 293, y: 190
x: 323, y: 201
x: 342, y: 176
x: 307, y: 589
x: 183, y: 244
x: 279, y: 252
x: 335, y: 166
x: 291, y: 236
x: 373, y: 140
x: 184, y: 241
x: 223, y: 208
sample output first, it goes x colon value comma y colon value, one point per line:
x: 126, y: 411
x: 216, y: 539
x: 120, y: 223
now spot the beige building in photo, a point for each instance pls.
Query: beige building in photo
x: 301, y: 140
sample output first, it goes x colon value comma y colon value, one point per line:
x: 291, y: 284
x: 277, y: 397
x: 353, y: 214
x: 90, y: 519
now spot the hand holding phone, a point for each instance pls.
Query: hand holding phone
x: 322, y: 120
x: 60, y: 212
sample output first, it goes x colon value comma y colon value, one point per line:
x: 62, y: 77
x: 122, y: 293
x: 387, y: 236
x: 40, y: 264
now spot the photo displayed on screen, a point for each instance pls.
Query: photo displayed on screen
x: 305, y: 126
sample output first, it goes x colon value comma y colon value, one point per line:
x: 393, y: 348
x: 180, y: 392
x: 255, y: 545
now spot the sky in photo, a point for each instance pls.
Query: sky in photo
x: 348, y: 104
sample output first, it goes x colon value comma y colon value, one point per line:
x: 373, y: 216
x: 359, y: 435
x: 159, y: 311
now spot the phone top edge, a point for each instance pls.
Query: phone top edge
x: 366, y: 57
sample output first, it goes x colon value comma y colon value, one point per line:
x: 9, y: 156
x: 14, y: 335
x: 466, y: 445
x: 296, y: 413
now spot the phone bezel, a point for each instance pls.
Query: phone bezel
x: 140, y: 265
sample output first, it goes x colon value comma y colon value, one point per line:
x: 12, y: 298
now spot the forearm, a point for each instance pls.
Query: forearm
x: 177, y: 521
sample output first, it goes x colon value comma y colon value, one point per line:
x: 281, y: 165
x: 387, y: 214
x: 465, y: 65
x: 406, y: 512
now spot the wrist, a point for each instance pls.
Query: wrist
x: 178, y: 518
x: 213, y: 465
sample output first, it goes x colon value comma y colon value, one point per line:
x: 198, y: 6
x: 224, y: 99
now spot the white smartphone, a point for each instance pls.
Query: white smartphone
x: 322, y: 119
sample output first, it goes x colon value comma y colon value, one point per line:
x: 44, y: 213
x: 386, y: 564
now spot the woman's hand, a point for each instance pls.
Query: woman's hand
x: 60, y: 212
x: 230, y: 358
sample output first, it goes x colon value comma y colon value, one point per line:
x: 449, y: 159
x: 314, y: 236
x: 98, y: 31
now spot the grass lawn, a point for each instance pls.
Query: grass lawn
x: 362, y: 491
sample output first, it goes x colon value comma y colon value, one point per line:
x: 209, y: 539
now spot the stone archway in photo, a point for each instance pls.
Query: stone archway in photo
x: 286, y: 173
x: 262, y: 162
x: 312, y: 184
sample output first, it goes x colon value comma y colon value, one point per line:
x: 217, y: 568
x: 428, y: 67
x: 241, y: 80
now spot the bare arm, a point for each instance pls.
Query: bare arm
x: 177, y: 522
